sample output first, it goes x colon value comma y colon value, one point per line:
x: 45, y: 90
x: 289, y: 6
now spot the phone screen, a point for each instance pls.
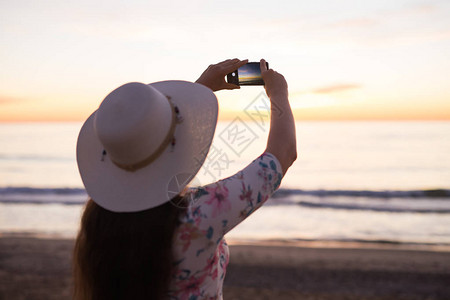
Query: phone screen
x: 248, y: 74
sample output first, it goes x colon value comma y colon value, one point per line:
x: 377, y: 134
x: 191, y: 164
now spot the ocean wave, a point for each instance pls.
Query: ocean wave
x: 414, y: 201
x: 281, y: 193
x: 376, y: 207
x: 42, y: 191
x: 30, y: 195
x: 385, y: 194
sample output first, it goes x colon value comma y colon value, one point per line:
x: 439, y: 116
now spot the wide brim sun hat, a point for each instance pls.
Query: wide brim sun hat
x: 145, y: 143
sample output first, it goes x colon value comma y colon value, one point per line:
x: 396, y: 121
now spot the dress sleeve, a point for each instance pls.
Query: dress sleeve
x: 220, y: 206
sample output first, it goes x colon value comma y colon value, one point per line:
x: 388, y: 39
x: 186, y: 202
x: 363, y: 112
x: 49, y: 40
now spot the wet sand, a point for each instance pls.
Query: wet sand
x: 34, y: 268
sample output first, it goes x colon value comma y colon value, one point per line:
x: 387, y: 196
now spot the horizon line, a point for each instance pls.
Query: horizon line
x: 225, y: 119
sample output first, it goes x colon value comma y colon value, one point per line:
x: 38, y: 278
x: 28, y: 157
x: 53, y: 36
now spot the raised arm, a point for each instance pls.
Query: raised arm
x: 282, y: 141
x: 218, y: 207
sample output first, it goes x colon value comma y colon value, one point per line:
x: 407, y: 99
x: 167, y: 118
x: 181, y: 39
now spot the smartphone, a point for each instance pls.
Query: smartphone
x: 248, y: 74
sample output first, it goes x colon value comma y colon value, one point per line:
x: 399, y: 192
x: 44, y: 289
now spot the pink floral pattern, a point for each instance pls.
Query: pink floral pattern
x: 218, y: 199
x: 201, y: 253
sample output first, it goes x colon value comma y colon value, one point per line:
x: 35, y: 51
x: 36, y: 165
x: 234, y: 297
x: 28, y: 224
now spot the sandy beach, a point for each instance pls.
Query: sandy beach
x: 36, y: 268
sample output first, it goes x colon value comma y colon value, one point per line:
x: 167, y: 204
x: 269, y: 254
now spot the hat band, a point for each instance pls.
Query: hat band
x: 157, y: 152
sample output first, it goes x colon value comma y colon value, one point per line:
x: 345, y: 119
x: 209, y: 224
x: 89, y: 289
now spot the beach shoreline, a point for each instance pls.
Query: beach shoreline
x: 40, y: 268
x: 336, y: 244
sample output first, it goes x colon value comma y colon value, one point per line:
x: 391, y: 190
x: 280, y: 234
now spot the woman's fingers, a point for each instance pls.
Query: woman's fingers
x: 234, y: 65
x: 214, y: 76
x: 263, y: 65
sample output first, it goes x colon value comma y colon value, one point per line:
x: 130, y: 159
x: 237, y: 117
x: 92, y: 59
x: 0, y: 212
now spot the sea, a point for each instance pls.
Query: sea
x: 366, y: 182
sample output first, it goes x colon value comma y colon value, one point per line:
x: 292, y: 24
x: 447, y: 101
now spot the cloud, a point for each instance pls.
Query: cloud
x: 336, y: 88
x: 323, y: 96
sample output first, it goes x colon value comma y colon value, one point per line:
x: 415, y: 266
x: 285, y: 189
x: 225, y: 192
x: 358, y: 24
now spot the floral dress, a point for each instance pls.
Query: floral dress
x: 201, y: 253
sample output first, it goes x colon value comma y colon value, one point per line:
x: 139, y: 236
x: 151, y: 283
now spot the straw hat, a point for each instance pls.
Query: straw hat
x: 144, y: 138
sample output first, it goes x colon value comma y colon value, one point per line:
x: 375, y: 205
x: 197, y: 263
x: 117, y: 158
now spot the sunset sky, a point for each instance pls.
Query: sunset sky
x: 343, y: 60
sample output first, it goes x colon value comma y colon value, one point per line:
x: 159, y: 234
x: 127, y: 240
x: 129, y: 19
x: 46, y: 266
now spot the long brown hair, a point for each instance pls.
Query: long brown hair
x: 124, y: 255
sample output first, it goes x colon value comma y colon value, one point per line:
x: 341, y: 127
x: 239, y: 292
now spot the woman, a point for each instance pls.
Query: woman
x: 136, y: 240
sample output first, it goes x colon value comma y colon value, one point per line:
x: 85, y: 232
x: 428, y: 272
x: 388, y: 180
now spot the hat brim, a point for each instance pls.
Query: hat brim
x: 119, y: 190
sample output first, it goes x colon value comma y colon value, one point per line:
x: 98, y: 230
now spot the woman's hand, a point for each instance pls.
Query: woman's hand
x: 274, y: 83
x: 214, y: 76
